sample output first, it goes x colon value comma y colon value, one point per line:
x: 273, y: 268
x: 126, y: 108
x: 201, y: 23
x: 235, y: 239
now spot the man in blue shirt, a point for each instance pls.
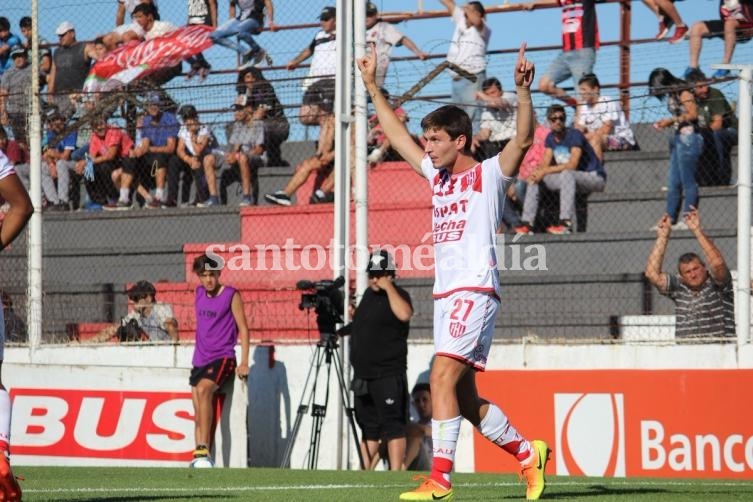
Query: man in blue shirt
x: 156, y: 143
x: 7, y: 40
x: 569, y: 166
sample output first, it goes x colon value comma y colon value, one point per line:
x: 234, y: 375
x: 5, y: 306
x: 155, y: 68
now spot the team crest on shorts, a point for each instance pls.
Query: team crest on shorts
x: 457, y: 329
x: 478, y: 354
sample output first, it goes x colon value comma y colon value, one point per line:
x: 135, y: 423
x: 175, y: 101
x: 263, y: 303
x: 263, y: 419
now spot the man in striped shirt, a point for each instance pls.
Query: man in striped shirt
x: 704, y: 298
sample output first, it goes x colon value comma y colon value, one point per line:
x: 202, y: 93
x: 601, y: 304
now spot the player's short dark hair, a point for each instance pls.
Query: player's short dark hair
x: 451, y: 119
x: 25, y: 22
x: 687, y: 258
x: 491, y: 82
x: 203, y: 262
x: 555, y: 108
x: 590, y: 79
x: 421, y: 386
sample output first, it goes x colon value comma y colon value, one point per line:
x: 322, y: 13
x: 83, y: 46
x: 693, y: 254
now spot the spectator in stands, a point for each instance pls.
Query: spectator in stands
x: 15, y: 87
x: 262, y: 96
x: 108, y: 152
x: 667, y: 14
x: 16, y: 197
x: 385, y: 36
x: 244, y: 156
x: 569, y: 166
x: 155, y: 319
x: 45, y: 54
x: 58, y: 163
x: 244, y: 23
x: 704, y: 298
x: 85, y: 104
x: 7, y: 41
x: 202, y: 13
x: 146, y: 16
x: 717, y: 125
x: 531, y: 161
x: 15, y: 326
x: 70, y: 67
x: 378, y: 354
x: 580, y: 41
x: 125, y: 32
x: 735, y: 24
x: 158, y: 137
x: 497, y: 120
x: 468, y: 50
x: 195, y: 143
x: 381, y: 148
x: 322, y: 50
x: 319, y: 101
x: 419, y: 452
x: 18, y: 156
x: 601, y: 119
x: 685, y: 143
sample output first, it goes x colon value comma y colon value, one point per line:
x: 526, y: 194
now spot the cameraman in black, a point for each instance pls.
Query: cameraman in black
x: 148, y: 321
x: 379, y: 356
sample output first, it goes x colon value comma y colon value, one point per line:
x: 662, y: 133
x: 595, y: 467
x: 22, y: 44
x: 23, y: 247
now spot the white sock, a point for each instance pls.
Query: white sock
x: 159, y: 193
x: 497, y: 428
x: 444, y: 436
x: 125, y: 194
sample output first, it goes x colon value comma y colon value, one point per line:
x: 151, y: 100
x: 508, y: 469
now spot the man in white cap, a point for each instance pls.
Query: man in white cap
x: 70, y: 66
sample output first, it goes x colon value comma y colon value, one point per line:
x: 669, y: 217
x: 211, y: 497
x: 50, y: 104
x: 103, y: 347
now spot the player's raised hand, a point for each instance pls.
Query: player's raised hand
x: 524, y: 69
x: 368, y: 64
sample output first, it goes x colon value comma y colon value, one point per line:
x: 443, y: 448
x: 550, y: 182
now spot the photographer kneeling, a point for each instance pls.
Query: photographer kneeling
x: 379, y: 356
x: 148, y: 321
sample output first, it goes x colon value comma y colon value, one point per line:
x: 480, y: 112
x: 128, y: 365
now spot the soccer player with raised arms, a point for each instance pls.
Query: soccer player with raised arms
x: 468, y: 198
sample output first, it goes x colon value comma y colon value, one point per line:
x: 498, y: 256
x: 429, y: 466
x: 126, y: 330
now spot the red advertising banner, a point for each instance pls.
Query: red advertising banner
x: 620, y: 423
x: 102, y: 424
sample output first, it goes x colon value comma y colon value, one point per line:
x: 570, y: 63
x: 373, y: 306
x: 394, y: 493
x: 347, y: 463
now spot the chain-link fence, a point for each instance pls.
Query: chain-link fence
x: 94, y: 248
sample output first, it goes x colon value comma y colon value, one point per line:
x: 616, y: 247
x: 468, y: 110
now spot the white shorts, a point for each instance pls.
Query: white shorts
x: 464, y: 326
x: 6, y: 167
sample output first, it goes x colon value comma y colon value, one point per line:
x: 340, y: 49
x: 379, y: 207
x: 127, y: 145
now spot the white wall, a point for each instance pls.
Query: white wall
x: 166, y: 369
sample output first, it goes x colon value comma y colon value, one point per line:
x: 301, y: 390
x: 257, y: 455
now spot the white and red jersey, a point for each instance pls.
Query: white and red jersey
x: 6, y: 166
x: 467, y: 210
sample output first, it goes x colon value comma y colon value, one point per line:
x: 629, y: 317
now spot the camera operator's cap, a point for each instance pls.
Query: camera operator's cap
x: 381, y: 263
x: 141, y: 288
x: 371, y: 9
x: 64, y: 28
x: 327, y: 13
x: 17, y: 50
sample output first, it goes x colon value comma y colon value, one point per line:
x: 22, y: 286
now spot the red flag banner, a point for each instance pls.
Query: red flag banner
x: 137, y: 60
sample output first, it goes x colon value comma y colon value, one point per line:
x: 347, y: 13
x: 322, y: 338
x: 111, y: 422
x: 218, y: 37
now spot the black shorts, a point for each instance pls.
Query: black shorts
x: 382, y: 413
x: 217, y: 371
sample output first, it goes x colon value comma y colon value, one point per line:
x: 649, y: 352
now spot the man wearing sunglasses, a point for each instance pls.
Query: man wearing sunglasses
x: 569, y: 166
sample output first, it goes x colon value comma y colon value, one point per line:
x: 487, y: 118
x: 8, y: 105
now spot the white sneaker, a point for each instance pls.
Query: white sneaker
x: 680, y: 225
x: 375, y: 156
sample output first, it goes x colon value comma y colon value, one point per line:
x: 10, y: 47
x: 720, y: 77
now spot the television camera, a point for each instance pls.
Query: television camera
x: 326, y: 299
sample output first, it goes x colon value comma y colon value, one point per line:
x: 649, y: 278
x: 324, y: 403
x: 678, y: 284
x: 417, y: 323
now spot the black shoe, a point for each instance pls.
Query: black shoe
x: 279, y: 197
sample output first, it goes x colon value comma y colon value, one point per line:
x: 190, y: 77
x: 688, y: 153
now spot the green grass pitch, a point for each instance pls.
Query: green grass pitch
x: 111, y: 484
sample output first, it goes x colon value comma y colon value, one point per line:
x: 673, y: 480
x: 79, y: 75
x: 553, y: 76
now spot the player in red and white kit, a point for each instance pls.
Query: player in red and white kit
x: 468, y: 198
x: 19, y: 211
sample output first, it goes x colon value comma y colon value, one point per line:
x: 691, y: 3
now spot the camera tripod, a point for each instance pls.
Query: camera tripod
x: 326, y: 353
